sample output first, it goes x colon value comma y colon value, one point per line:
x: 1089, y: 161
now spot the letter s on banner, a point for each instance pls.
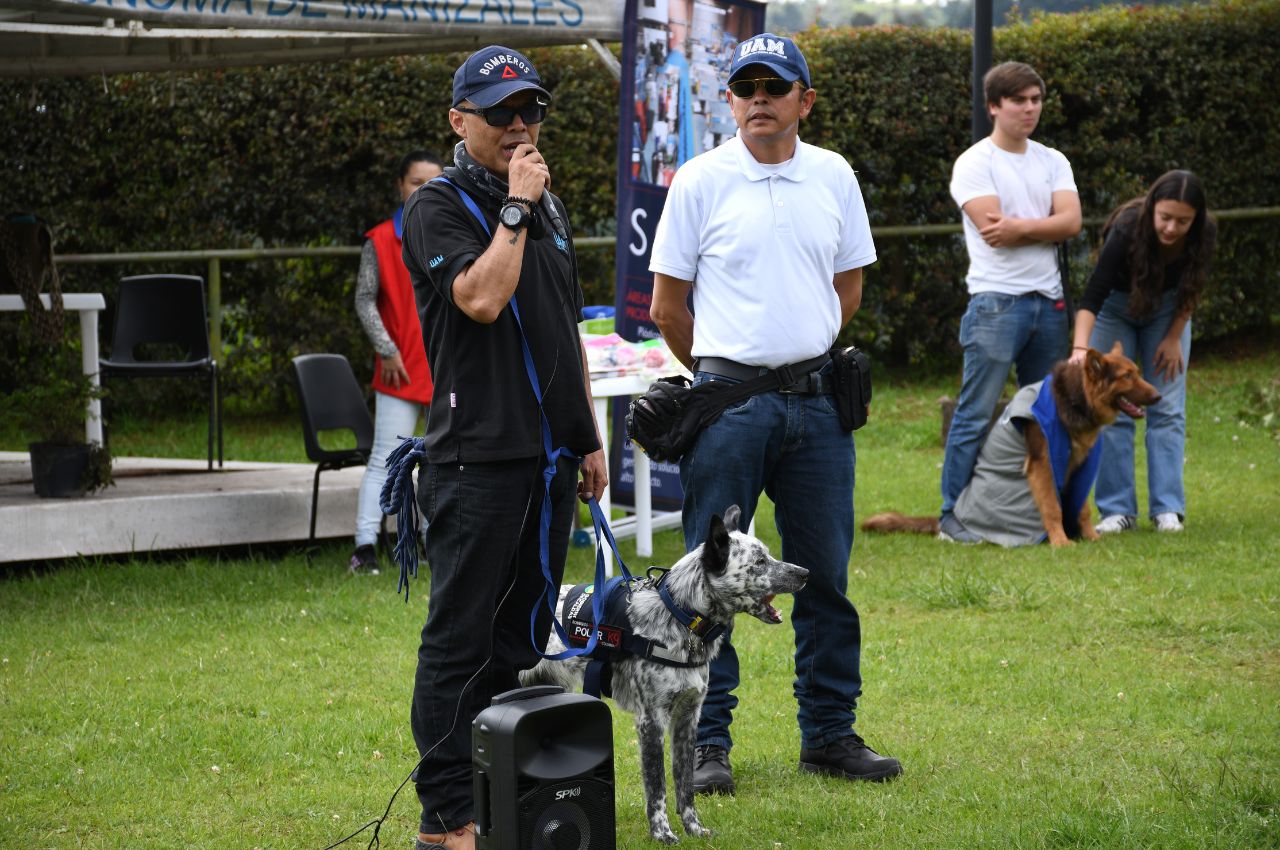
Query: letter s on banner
x: 637, y: 216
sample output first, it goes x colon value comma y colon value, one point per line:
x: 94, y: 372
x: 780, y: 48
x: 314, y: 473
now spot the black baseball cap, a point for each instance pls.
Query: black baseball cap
x: 494, y: 73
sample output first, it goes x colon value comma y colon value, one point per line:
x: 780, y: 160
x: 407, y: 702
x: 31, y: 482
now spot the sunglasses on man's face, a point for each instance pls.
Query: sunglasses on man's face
x: 773, y: 86
x: 533, y: 112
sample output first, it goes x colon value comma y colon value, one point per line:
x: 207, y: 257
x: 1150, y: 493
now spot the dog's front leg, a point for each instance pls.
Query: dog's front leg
x: 684, y: 732
x: 653, y: 771
x: 1040, y: 480
x: 1087, y: 531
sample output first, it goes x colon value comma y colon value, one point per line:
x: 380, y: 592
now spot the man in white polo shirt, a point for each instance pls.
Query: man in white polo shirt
x: 1018, y: 198
x: 771, y: 235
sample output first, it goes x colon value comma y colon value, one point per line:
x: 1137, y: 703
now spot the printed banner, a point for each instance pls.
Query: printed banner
x: 483, y: 19
x: 675, y: 65
x: 676, y: 56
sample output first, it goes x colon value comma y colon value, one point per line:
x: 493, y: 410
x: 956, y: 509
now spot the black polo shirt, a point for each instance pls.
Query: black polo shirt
x: 483, y: 407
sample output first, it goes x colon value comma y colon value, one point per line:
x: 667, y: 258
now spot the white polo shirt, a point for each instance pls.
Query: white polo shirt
x: 1024, y: 183
x: 762, y: 244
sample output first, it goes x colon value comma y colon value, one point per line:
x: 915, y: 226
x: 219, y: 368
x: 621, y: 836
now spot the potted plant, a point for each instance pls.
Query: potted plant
x: 50, y: 412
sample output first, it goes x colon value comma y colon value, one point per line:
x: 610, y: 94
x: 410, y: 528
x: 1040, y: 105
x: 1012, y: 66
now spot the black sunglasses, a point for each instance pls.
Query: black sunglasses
x: 533, y: 112
x: 773, y: 86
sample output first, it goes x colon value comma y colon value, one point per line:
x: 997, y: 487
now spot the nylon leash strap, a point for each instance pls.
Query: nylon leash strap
x: 398, y: 496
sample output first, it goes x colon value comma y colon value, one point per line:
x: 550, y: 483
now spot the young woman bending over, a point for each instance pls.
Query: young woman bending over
x: 1150, y: 274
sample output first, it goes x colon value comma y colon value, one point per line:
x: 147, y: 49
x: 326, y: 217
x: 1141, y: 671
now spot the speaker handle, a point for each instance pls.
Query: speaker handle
x: 481, y: 789
x: 531, y: 692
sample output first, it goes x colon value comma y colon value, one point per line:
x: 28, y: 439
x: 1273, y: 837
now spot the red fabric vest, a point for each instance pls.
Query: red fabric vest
x: 399, y: 312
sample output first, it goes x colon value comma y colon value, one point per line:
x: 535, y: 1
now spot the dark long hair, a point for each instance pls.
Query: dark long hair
x: 1146, y: 269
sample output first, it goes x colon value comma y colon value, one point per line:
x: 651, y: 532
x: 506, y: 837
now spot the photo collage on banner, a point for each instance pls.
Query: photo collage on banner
x: 676, y: 57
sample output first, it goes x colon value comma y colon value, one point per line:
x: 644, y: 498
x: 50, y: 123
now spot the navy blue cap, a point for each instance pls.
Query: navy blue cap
x: 774, y: 51
x: 494, y: 73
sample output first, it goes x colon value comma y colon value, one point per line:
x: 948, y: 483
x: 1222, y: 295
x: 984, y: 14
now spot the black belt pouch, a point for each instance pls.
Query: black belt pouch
x: 851, y: 379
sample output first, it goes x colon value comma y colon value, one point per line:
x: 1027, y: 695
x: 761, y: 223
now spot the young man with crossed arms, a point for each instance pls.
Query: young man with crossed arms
x: 1018, y: 198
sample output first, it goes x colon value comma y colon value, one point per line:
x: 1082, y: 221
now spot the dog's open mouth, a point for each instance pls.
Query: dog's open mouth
x: 766, y: 613
x: 1129, y: 407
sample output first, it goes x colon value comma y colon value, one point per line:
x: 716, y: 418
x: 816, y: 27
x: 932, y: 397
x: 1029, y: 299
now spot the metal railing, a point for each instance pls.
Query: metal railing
x: 214, y: 257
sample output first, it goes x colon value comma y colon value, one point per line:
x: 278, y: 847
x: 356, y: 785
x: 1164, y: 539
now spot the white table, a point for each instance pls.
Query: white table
x: 88, y: 305
x: 643, y: 523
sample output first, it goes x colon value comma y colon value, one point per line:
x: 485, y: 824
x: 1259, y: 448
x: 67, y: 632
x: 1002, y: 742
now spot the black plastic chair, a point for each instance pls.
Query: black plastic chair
x: 164, y: 315
x: 330, y: 398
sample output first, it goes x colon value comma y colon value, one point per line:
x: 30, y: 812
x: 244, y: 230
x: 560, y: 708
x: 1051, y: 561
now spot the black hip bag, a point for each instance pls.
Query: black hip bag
x: 666, y: 420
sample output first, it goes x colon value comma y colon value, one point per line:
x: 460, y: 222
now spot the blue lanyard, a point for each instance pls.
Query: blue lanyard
x: 397, y: 496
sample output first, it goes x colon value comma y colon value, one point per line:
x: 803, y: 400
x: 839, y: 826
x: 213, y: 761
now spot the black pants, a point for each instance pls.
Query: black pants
x: 486, y: 577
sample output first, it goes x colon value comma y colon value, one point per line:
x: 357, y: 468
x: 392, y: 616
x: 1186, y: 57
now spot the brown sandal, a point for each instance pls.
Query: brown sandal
x: 419, y: 844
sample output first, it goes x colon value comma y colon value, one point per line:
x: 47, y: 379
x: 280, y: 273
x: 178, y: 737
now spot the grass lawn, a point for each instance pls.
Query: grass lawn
x: 1124, y: 694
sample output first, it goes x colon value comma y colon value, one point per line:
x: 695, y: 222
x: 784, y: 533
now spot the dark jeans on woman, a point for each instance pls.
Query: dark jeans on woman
x: 486, y: 577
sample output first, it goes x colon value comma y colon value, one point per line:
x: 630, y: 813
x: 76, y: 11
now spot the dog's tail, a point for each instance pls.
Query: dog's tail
x: 892, y: 521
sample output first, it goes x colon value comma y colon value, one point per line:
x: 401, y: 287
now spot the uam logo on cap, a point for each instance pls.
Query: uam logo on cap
x: 762, y: 45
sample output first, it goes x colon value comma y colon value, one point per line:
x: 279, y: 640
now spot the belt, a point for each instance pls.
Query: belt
x: 802, y: 378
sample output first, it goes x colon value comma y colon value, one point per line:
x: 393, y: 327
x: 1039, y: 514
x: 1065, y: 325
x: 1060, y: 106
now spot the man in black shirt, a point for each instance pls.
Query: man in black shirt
x: 482, y: 488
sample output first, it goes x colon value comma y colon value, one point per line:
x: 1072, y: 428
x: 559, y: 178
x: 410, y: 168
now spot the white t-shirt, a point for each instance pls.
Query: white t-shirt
x: 1024, y: 183
x: 762, y: 245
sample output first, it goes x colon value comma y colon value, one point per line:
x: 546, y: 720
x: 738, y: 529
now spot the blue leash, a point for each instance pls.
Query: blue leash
x: 398, y: 498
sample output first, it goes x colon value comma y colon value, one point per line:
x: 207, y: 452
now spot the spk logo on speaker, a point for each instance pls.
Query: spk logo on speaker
x: 569, y: 792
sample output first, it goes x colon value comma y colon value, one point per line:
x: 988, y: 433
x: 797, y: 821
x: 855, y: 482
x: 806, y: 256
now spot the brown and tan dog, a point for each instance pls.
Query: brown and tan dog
x: 1089, y: 396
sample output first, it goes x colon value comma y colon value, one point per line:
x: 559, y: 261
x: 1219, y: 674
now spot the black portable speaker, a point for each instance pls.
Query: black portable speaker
x: 543, y: 772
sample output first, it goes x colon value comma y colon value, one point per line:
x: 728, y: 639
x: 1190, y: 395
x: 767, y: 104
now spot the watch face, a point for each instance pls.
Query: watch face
x: 512, y: 215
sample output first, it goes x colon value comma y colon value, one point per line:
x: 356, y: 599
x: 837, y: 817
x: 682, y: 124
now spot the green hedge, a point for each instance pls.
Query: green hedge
x: 285, y: 156
x: 303, y: 155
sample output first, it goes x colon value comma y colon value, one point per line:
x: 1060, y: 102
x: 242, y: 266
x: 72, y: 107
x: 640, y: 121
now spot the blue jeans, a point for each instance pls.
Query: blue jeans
x: 1026, y: 332
x: 792, y: 448
x: 394, y: 418
x: 1166, y: 434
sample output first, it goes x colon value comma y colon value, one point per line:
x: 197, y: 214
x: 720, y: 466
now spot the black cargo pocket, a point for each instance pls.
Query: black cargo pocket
x: 851, y: 386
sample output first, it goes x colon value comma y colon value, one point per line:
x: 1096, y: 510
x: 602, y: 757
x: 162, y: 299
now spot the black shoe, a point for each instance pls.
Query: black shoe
x: 850, y: 758
x: 711, y: 771
x: 364, y: 561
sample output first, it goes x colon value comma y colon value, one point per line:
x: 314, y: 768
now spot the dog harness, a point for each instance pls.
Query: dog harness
x: 615, y: 637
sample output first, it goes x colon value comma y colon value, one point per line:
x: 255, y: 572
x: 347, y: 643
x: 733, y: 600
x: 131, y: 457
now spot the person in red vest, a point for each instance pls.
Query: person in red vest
x: 401, y: 379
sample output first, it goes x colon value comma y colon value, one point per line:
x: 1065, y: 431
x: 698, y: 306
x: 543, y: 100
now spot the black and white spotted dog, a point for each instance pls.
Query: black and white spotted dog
x: 731, y: 572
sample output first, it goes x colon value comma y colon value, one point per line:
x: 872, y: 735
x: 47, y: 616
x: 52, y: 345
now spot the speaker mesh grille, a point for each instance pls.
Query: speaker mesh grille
x: 581, y: 819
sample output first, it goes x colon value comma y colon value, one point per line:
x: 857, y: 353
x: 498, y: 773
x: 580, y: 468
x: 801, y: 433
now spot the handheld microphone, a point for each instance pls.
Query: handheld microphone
x: 553, y: 214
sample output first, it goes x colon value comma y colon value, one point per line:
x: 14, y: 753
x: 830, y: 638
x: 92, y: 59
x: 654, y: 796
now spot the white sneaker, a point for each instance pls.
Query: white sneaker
x: 1118, y: 522
x: 1167, y: 522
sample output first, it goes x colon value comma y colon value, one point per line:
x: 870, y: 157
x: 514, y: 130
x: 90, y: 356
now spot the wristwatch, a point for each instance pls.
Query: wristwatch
x: 514, y: 216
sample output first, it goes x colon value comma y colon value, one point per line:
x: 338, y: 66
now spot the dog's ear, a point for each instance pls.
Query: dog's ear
x: 1093, y: 363
x: 715, y: 550
x: 733, y: 518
